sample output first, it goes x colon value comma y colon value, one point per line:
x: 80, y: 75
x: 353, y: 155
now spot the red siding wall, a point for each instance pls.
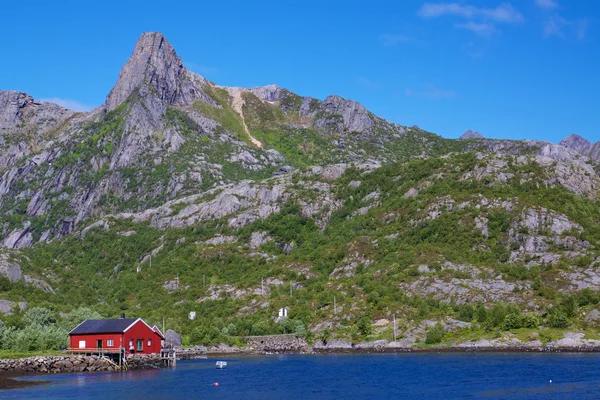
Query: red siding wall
x: 90, y: 340
x: 138, y: 331
x: 141, y: 331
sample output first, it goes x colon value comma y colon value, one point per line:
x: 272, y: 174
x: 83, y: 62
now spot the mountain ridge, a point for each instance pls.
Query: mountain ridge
x: 179, y: 195
x: 165, y: 132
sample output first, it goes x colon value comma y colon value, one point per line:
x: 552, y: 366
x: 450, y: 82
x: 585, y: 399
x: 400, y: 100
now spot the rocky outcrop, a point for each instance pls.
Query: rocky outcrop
x: 333, y: 345
x: 7, y: 307
x: 471, y: 135
x: 155, y: 63
x: 172, y: 338
x: 582, y: 145
x: 19, y: 112
x: 10, y: 270
x: 277, y: 343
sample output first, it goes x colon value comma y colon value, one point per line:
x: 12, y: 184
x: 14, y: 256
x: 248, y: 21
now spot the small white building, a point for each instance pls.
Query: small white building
x: 192, y: 315
x: 283, y: 312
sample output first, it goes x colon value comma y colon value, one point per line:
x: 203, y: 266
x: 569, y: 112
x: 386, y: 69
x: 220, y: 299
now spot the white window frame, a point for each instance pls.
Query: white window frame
x: 110, y: 342
x: 149, y: 342
x: 82, y: 344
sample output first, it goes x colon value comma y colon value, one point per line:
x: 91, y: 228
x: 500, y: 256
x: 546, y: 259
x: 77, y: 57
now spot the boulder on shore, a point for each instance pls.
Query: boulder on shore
x: 172, y: 339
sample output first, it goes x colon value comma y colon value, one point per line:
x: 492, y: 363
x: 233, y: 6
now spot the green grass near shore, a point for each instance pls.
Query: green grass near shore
x: 5, y: 354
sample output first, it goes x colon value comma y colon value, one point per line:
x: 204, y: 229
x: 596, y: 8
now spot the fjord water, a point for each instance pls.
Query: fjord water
x: 375, y: 376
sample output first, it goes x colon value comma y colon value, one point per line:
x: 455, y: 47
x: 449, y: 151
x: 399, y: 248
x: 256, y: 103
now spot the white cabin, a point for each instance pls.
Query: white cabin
x: 283, y: 312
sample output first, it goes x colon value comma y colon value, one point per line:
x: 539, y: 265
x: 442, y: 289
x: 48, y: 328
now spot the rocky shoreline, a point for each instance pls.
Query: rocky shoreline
x: 281, y: 344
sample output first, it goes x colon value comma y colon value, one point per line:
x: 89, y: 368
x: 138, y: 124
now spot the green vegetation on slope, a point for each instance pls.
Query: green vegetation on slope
x: 383, y: 246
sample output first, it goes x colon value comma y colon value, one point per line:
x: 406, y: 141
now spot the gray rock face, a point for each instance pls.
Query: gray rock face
x: 582, y: 146
x: 592, y: 316
x: 172, y: 339
x: 10, y: 270
x: 20, y: 112
x: 354, y: 117
x: 270, y: 93
x: 471, y: 135
x: 155, y: 63
x: 7, y: 306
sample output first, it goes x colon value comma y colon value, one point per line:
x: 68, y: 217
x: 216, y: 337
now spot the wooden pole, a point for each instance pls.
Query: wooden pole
x: 334, y: 307
x: 394, y: 332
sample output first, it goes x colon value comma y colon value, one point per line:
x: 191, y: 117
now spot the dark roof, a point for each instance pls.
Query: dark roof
x: 103, y: 326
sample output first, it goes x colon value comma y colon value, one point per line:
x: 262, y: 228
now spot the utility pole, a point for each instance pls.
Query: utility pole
x: 262, y: 286
x: 290, y: 288
x: 177, y: 281
x: 150, y: 261
x: 163, y: 325
x: 394, y: 331
x: 334, y: 306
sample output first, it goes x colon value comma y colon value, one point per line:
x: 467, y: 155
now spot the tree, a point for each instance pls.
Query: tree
x: 79, y: 315
x: 39, y: 316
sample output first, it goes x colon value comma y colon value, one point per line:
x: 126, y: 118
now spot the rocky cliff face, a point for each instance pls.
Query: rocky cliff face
x: 155, y: 63
x: 582, y: 145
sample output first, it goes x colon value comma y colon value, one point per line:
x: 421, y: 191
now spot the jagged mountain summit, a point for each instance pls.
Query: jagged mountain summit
x: 582, y: 145
x: 471, y: 135
x: 166, y: 133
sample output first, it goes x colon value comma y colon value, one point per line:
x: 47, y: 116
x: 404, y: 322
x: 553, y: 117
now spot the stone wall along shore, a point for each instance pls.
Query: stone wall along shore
x: 66, y: 364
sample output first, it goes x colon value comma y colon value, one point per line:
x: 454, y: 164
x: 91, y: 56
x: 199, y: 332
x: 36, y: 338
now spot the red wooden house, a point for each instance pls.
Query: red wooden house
x: 111, y: 335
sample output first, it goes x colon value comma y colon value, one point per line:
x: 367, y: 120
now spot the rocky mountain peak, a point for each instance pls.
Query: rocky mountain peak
x: 471, y: 135
x: 18, y: 110
x: 155, y: 63
x: 577, y: 143
x: 269, y: 93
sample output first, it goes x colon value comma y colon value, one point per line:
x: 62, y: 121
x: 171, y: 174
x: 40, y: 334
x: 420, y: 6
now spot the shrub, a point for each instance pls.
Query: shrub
x: 364, y: 326
x: 516, y: 321
x: 557, y: 319
x: 435, y: 334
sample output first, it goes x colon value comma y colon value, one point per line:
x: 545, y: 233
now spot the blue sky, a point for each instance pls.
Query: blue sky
x: 508, y: 69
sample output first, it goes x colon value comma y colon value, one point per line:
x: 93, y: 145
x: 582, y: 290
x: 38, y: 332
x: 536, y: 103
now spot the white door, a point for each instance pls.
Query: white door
x: 82, y: 344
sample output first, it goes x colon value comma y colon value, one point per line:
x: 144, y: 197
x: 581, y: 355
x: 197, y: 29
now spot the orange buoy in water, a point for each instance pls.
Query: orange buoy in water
x: 216, y: 384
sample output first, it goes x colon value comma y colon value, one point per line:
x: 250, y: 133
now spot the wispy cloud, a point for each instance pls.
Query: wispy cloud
x: 201, y: 69
x: 556, y: 25
x: 502, y: 13
x: 430, y: 91
x: 70, y: 104
x: 391, y: 40
x: 368, y: 83
x: 546, y: 3
x: 482, y: 29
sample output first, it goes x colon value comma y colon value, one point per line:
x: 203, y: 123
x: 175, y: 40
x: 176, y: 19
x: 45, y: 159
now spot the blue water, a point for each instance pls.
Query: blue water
x: 365, y: 376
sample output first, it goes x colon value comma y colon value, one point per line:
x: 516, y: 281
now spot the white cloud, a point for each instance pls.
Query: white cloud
x: 70, y: 104
x: 546, y: 3
x: 391, y: 40
x: 430, y: 91
x: 482, y: 29
x: 556, y: 25
x: 502, y: 13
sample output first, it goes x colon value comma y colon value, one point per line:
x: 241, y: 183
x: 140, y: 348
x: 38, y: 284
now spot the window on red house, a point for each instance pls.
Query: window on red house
x: 110, y: 342
x: 149, y: 342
